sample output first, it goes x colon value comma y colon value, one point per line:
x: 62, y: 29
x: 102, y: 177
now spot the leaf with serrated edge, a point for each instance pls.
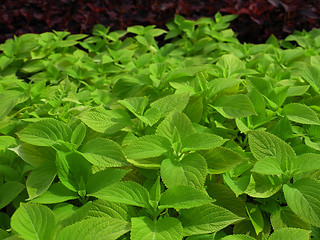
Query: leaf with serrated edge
x: 45, y: 133
x: 235, y: 106
x: 221, y: 160
x: 177, y: 120
x: 262, y: 186
x: 201, y: 141
x: 207, y: 218
x: 107, y: 209
x: 56, y: 193
x: 40, y: 179
x: 263, y: 144
x: 303, y: 198
x: 95, y: 228
x: 33, y: 221
x: 300, y: 113
x: 290, y: 233
x: 144, y: 228
x: 9, y: 191
x: 171, y: 102
x: 130, y: 193
x: 103, y: 152
x: 190, y: 171
x: 284, y: 217
x: 104, y: 178
x: 147, y: 146
x: 183, y: 197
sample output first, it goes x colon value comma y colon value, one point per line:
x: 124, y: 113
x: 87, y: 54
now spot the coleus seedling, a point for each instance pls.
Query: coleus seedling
x: 202, y: 138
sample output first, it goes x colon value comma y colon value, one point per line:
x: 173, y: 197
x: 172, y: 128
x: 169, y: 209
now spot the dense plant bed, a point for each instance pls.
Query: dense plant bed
x: 106, y: 137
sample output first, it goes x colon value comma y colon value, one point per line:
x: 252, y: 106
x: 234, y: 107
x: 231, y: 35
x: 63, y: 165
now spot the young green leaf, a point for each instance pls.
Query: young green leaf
x: 234, y: 106
x: 176, y: 102
x: 268, y: 166
x: 303, y: 198
x: 263, y: 144
x: 306, y: 162
x: 238, y: 237
x: 72, y: 167
x: 290, y: 233
x: 262, y: 186
x: 190, y: 171
x: 300, y: 113
x: 35, y: 155
x: 201, y: 141
x: 130, y: 193
x: 6, y: 141
x: 136, y: 105
x: 9, y: 191
x: 33, y: 221
x: 103, y: 152
x: 175, y: 120
x: 147, y: 146
x: 95, y: 228
x: 144, y: 228
x: 45, y: 133
x: 103, y: 179
x: 40, y: 179
x: 78, y: 134
x: 56, y: 193
x: 106, y: 121
x: 221, y: 160
x: 210, y: 218
x: 256, y: 217
x: 183, y: 197
x: 284, y: 217
x: 102, y: 208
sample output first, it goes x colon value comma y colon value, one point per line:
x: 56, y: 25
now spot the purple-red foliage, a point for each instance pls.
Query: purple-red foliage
x: 258, y: 19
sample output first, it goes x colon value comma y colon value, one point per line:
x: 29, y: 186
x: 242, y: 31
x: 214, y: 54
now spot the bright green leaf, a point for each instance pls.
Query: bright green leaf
x: 33, y: 221
x: 290, y: 233
x: 190, y: 171
x: 144, y: 228
x: 183, y: 197
x: 207, y: 218
x: 9, y: 191
x: 300, y: 113
x: 201, y: 141
x: 303, y: 198
x: 234, y: 106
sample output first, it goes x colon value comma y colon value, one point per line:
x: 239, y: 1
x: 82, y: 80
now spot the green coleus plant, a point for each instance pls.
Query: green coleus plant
x: 115, y: 136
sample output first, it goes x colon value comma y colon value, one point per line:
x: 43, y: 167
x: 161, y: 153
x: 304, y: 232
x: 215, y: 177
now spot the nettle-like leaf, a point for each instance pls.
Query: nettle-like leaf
x: 234, y: 106
x: 6, y: 141
x: 164, y: 228
x: 290, y: 233
x: 263, y: 144
x: 300, y: 113
x: 221, y: 160
x: 45, y: 133
x: 303, y: 198
x: 178, y: 121
x: 106, y: 121
x: 255, y: 217
x: 78, y: 134
x: 9, y: 191
x: 35, y: 155
x: 107, y: 209
x: 306, y: 162
x: 171, y: 102
x: 40, y: 179
x: 284, y: 217
x: 103, y: 152
x: 130, y: 193
x: 262, y: 186
x: 103, y: 179
x: 201, y: 141
x: 95, y: 228
x: 210, y: 218
x: 183, y: 197
x: 147, y: 146
x: 33, y: 221
x: 190, y: 171
x: 231, y: 65
x: 73, y: 170
x: 56, y: 193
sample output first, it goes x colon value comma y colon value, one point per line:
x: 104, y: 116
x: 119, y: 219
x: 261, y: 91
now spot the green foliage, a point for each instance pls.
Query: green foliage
x: 112, y: 136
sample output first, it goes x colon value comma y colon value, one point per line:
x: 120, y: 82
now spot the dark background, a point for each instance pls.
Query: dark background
x: 257, y: 20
